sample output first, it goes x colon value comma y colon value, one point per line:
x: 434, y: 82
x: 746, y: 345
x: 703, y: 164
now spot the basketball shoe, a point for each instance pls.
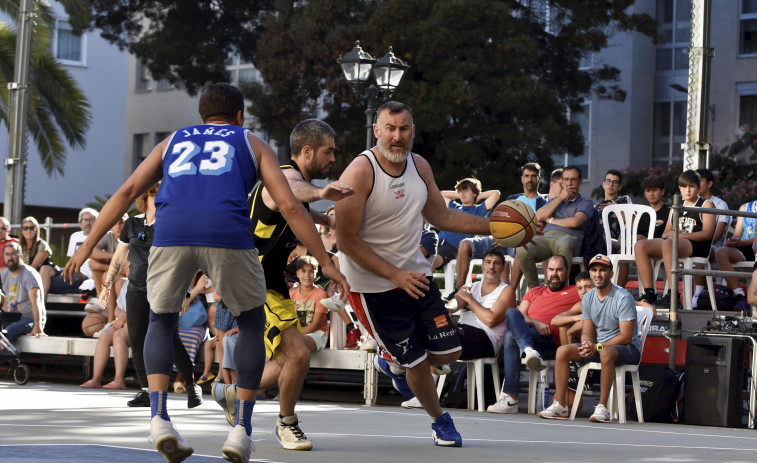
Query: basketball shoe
x: 444, y: 433
x: 399, y: 382
x: 289, y: 434
x: 238, y: 445
x: 226, y: 396
x: 141, y: 399
x: 333, y: 303
x: 168, y: 441
x: 194, y: 395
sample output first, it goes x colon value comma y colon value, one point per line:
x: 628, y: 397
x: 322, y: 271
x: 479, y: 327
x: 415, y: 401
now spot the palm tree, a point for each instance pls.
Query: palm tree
x: 58, y: 112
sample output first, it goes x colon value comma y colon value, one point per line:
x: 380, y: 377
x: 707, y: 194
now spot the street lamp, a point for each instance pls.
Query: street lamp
x: 377, y: 78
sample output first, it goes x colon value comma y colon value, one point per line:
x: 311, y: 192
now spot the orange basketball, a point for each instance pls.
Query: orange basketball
x: 93, y: 323
x: 512, y: 223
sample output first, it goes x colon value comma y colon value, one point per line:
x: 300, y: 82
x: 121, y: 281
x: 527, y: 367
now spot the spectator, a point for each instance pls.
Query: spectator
x: 482, y: 307
x: 307, y: 301
x: 568, y: 218
x: 328, y: 234
x: 612, y: 184
x: 22, y: 288
x: 99, y: 261
x: 36, y: 251
x: 5, y: 238
x: 654, y: 192
x: 738, y: 248
x: 609, y: 336
x: 529, y: 333
x: 569, y: 323
x: 695, y: 239
x: 474, y: 248
x: 466, y: 195
x: 555, y: 185
x: 114, y: 335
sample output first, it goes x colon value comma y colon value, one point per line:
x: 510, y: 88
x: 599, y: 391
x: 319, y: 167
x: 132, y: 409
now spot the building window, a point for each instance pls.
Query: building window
x: 240, y: 70
x: 748, y: 27
x: 139, y: 149
x: 674, y: 21
x: 69, y: 48
x: 142, y: 81
x: 160, y: 136
x: 164, y: 84
x: 581, y: 161
x: 669, y: 132
x: 747, y: 104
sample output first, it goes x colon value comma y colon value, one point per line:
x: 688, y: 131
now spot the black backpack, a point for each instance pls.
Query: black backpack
x: 594, y: 239
x: 725, y: 299
x: 660, y: 390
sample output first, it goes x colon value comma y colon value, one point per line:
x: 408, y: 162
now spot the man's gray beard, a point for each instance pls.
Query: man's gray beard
x: 391, y: 156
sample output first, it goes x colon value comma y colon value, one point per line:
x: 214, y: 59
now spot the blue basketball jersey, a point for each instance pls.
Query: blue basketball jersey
x: 208, y: 171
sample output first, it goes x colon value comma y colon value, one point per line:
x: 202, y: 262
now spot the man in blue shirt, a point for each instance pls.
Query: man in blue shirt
x: 568, y: 218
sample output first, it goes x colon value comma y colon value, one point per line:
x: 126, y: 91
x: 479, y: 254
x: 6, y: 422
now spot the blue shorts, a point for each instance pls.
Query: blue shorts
x: 480, y: 244
x: 628, y: 354
x: 407, y: 328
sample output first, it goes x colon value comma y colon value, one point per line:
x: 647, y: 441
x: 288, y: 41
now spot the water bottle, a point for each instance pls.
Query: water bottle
x: 546, y: 395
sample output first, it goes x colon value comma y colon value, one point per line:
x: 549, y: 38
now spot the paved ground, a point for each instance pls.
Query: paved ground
x: 42, y: 422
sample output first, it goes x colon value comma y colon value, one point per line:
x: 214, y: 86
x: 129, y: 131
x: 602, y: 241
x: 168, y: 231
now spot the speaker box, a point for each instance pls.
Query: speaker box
x: 715, y: 379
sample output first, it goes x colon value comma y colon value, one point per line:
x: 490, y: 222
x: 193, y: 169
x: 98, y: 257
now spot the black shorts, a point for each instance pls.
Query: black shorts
x: 475, y: 343
x: 747, y: 252
x: 407, y: 328
x: 700, y: 248
x: 447, y: 252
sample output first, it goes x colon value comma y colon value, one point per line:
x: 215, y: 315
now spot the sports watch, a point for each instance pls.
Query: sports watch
x: 599, y: 347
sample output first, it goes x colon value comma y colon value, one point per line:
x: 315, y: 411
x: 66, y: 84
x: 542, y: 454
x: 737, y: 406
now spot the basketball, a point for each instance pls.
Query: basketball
x: 512, y: 223
x: 93, y: 323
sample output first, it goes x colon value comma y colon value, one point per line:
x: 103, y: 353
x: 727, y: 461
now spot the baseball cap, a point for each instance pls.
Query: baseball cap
x: 601, y: 259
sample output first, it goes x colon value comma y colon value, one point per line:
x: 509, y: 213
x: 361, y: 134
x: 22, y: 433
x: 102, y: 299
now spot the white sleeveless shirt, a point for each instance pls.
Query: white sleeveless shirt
x: 392, y: 225
x: 468, y: 317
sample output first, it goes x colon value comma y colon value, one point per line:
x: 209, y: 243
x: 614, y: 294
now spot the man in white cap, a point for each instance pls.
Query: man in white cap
x: 609, y: 336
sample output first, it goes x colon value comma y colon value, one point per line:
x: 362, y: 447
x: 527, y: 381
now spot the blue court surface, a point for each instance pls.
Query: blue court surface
x: 41, y: 422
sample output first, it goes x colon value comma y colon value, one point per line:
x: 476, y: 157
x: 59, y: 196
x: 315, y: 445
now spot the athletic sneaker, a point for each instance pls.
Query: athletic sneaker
x: 141, y: 399
x: 412, y: 403
x: 441, y: 369
x: 664, y: 301
x: 533, y: 359
x: 399, y: 382
x: 225, y: 395
x: 368, y: 344
x: 505, y: 404
x: 333, y: 303
x: 289, y: 434
x: 194, y: 395
x: 444, y: 433
x: 353, y: 338
x: 238, y: 445
x: 601, y: 414
x: 93, y: 306
x: 168, y: 441
x: 555, y: 412
x: 102, y: 330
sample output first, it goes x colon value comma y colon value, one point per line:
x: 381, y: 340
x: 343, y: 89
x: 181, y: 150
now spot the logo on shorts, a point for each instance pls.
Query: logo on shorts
x: 441, y: 321
x: 404, y: 345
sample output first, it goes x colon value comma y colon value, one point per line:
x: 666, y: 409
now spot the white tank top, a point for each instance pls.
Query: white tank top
x: 392, y: 226
x: 468, y: 317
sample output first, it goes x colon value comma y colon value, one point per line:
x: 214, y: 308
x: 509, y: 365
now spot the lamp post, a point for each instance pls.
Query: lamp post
x: 370, y: 78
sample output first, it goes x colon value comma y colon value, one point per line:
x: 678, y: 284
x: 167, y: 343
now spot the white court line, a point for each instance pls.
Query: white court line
x: 528, y: 441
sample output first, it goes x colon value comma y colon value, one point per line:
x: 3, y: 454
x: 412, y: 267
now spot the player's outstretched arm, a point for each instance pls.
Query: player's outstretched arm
x: 145, y: 176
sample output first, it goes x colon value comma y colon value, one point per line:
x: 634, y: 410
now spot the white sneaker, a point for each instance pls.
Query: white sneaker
x: 168, y: 441
x: 601, y: 414
x: 93, y: 306
x: 441, y: 370
x: 368, y: 344
x: 412, y: 403
x: 505, y: 404
x: 289, y: 434
x: 555, y: 412
x: 238, y: 445
x: 333, y: 303
x: 534, y: 360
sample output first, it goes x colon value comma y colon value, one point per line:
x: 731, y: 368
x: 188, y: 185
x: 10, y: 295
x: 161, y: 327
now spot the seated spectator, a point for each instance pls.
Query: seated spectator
x: 307, y: 301
x: 738, y: 248
x: 22, y: 287
x: 192, y: 329
x: 99, y: 260
x: 569, y: 323
x: 609, y: 336
x: 114, y: 334
x: 695, y: 239
x: 528, y: 332
x: 723, y: 222
x: 225, y: 322
x: 474, y: 248
x: 568, y: 217
x: 555, y: 185
x: 654, y: 192
x: 36, y: 251
x: 465, y: 197
x: 57, y: 285
x: 482, y: 307
x: 5, y: 238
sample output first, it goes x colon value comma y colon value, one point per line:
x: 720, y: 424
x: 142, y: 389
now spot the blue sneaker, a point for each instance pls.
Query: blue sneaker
x: 444, y: 433
x: 399, y: 382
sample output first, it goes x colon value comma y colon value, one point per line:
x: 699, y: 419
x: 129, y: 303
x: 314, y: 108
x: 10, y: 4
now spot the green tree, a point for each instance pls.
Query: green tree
x: 58, y: 111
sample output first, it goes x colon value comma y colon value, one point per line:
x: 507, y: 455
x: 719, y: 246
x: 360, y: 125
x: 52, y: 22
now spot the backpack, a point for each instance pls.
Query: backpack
x: 594, y: 239
x: 724, y: 298
x: 660, y: 390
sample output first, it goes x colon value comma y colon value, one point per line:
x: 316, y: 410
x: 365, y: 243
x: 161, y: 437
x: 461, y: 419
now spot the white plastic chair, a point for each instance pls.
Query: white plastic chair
x: 688, y: 263
x: 475, y: 376
x: 617, y: 405
x: 534, y: 378
x: 628, y: 216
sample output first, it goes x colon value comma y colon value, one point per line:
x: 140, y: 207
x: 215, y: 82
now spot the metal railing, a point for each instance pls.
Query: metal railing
x: 672, y: 334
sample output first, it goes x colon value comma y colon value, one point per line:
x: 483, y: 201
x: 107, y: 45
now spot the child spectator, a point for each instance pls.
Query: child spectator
x: 738, y: 248
x: 307, y: 300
